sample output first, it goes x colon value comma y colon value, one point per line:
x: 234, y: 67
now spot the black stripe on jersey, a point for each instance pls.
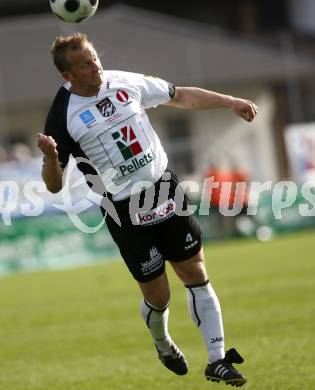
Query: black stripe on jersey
x: 56, y: 127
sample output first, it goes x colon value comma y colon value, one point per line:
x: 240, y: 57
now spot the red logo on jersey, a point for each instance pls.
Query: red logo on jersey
x: 122, y: 96
x: 127, y: 142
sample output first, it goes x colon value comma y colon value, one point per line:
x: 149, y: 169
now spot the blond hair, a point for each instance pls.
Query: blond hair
x: 62, y: 44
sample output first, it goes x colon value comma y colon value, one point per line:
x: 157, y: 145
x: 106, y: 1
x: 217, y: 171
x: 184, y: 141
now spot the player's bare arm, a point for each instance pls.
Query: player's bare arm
x: 51, y: 171
x: 197, y: 98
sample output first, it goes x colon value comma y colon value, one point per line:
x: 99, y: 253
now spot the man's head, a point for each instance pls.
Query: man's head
x: 78, y: 62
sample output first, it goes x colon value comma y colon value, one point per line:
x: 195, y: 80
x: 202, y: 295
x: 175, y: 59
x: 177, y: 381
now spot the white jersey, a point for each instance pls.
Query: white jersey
x: 112, y: 129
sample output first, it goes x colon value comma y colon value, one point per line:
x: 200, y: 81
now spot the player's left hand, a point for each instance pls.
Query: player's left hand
x: 245, y: 109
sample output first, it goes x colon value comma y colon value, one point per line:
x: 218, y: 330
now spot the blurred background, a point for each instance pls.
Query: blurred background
x: 260, y: 50
x: 80, y: 329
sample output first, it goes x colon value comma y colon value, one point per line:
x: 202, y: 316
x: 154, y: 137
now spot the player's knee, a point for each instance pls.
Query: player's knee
x: 196, y: 275
x: 156, y: 292
x: 158, y: 302
x: 192, y: 271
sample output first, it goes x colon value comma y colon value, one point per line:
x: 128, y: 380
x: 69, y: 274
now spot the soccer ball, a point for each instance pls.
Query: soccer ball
x: 73, y: 11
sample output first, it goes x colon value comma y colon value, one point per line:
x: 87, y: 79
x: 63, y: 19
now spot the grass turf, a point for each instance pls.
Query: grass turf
x: 81, y: 329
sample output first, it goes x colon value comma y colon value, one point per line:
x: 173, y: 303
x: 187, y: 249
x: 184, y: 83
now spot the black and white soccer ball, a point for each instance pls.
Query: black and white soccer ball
x: 73, y: 11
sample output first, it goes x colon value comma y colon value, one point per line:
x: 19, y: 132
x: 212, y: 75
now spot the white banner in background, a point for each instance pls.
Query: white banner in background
x: 300, y: 144
x: 23, y: 192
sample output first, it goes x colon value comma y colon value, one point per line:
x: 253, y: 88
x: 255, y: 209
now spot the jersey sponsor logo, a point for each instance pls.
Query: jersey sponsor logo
x: 159, y: 214
x: 130, y: 147
x: 135, y: 164
x: 113, y: 117
x: 88, y: 118
x: 106, y: 107
x: 122, y: 96
x: 127, y: 142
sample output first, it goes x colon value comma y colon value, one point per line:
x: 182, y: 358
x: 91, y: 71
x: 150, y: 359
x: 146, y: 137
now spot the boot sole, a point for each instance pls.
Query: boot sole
x: 233, y: 382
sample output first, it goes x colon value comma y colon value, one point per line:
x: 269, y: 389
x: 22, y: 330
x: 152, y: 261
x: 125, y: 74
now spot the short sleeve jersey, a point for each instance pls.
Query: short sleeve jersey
x: 112, y: 129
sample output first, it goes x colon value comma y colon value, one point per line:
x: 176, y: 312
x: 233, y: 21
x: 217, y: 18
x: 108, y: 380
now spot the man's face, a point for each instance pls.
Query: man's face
x: 85, y: 71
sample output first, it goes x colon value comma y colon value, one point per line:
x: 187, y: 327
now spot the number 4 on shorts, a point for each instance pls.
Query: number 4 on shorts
x: 189, y: 238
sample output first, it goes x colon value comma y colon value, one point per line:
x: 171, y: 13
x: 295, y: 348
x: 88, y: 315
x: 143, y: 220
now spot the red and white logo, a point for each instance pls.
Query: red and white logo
x: 160, y: 213
x: 122, y: 96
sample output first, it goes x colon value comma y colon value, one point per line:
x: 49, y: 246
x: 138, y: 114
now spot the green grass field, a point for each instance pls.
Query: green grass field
x: 81, y: 329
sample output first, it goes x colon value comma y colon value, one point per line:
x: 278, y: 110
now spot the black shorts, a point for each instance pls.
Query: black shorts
x: 159, y: 234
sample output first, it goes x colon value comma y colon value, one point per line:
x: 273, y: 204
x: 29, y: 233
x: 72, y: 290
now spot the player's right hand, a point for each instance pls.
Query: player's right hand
x: 47, y: 145
x: 245, y: 109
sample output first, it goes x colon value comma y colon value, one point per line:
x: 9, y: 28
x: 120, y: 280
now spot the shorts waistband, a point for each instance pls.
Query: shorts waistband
x: 125, y: 202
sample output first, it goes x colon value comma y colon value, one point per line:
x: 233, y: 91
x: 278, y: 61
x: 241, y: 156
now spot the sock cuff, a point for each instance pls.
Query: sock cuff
x: 197, y: 284
x: 151, y: 307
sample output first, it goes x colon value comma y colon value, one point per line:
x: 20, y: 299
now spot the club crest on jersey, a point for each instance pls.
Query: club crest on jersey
x: 106, y: 107
x: 88, y: 118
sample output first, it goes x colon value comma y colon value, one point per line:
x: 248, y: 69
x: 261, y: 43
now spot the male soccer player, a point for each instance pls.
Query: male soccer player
x: 100, y: 116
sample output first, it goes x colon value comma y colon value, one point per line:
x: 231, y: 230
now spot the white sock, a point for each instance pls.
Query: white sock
x: 157, y: 322
x: 205, y: 311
